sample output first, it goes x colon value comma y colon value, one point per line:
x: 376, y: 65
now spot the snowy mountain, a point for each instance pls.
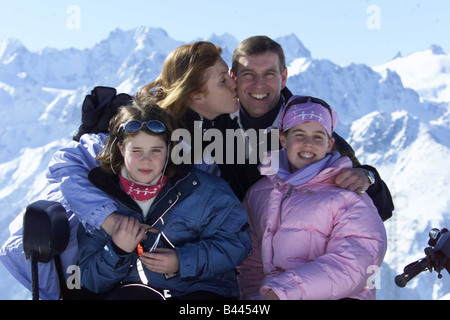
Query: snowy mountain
x: 430, y: 80
x: 395, y: 116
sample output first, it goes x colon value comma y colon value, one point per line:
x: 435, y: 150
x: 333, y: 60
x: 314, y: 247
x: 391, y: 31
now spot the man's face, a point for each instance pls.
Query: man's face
x: 259, y: 82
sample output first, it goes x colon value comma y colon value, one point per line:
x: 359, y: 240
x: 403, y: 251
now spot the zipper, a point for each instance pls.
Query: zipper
x: 170, y: 207
x: 139, y: 266
x: 288, y: 194
x: 162, y: 215
x: 162, y: 197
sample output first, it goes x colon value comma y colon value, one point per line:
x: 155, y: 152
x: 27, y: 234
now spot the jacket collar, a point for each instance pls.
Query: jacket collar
x: 327, y: 175
x: 192, y: 118
x: 182, y: 184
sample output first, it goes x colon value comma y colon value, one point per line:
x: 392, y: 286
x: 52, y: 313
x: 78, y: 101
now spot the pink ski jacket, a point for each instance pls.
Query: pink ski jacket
x: 312, y: 241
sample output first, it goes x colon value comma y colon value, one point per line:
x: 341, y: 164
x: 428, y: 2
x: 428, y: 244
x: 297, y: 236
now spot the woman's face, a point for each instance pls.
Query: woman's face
x: 144, y: 156
x: 220, y: 96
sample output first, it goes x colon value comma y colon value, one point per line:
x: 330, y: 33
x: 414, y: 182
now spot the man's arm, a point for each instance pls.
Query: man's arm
x: 355, y: 178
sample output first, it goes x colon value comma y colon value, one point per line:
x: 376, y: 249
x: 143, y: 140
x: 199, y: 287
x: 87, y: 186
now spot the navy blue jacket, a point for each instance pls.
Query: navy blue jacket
x: 206, y: 224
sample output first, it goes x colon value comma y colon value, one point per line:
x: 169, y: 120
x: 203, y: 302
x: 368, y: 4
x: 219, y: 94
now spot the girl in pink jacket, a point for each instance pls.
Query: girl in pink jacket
x: 311, y: 239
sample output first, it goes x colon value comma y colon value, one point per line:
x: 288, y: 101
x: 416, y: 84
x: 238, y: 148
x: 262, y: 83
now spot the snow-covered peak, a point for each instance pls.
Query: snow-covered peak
x: 225, y: 41
x: 293, y: 48
x: 398, y: 55
x: 9, y: 49
x: 71, y: 68
x: 298, y: 65
x: 427, y: 72
x: 436, y: 49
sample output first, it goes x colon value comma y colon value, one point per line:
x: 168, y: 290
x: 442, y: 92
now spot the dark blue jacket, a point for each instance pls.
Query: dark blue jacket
x: 205, y: 223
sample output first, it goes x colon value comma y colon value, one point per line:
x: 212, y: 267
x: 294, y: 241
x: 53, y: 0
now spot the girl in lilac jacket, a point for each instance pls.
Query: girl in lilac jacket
x: 310, y: 239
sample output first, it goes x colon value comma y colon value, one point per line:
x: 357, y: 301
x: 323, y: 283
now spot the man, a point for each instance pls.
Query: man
x: 259, y: 68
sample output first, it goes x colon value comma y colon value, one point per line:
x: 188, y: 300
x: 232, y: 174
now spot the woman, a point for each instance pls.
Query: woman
x: 194, y: 77
x: 195, y: 87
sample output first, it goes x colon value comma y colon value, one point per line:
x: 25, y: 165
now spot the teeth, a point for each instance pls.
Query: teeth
x: 306, y: 155
x: 258, y: 96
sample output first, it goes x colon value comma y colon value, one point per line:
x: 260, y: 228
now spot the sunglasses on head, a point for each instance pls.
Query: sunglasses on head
x: 154, y: 126
x: 305, y: 99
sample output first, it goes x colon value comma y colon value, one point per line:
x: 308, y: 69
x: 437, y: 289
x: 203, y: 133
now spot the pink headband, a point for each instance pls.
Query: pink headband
x: 307, y: 109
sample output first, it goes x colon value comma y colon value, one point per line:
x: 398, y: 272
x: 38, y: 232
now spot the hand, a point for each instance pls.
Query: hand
x: 162, y: 260
x: 110, y: 222
x: 353, y: 179
x: 127, y: 233
x: 270, y: 295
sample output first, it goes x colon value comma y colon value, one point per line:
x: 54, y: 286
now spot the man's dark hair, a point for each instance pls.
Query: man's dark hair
x: 257, y: 45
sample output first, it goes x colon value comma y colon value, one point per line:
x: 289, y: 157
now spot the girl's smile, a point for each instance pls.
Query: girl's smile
x: 306, y: 143
x: 306, y: 155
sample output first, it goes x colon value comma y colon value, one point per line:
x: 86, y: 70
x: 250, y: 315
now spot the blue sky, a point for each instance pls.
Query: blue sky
x: 343, y: 31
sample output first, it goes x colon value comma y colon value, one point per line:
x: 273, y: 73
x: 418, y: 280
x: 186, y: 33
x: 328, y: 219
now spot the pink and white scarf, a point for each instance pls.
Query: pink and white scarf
x: 141, y: 192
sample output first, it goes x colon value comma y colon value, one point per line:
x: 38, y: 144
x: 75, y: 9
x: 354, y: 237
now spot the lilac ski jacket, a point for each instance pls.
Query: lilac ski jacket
x: 313, y: 240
